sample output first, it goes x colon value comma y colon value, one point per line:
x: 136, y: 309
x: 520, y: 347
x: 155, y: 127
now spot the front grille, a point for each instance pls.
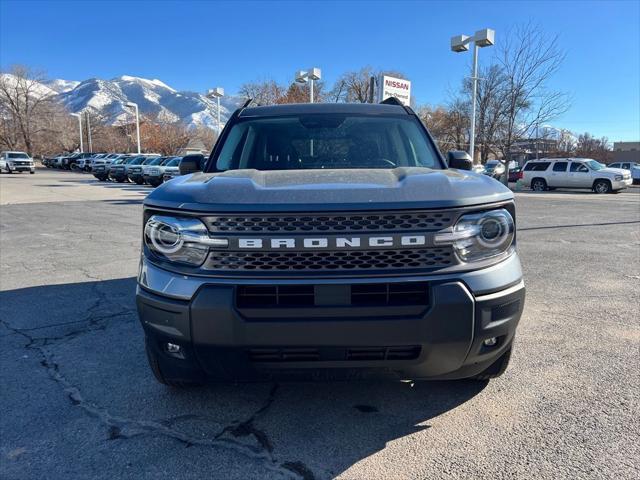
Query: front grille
x: 382, y: 294
x: 346, y: 354
x: 264, y: 296
x: 337, y: 223
x: 362, y: 295
x: 331, y: 261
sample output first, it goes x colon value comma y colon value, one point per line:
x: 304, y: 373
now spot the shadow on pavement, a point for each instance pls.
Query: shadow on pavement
x: 89, y: 340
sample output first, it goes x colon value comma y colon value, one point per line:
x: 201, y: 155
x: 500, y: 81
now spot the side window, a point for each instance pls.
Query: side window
x: 578, y: 167
x: 614, y: 165
x: 560, y: 167
x: 536, y: 166
x: 626, y: 166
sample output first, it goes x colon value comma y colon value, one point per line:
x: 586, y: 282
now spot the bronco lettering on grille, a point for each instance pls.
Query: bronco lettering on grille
x: 333, y: 242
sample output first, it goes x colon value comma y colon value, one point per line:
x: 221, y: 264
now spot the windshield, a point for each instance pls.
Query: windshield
x: 593, y: 165
x: 18, y: 155
x: 156, y: 161
x: 174, y: 162
x: 327, y: 141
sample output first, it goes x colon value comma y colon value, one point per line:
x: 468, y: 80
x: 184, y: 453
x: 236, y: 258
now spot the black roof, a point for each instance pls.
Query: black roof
x: 310, y: 108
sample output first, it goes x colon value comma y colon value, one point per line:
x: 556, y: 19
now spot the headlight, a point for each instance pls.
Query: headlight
x: 479, y: 236
x: 618, y: 178
x: 180, y: 240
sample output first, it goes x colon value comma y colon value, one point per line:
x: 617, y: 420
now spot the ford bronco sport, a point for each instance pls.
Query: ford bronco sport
x: 328, y: 241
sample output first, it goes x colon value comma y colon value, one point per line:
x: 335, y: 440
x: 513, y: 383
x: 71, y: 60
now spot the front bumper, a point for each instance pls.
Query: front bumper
x: 620, y: 184
x: 440, y: 340
x: 134, y: 177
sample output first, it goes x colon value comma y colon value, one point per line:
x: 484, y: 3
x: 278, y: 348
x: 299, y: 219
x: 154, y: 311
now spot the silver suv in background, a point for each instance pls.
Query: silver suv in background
x: 586, y: 173
x: 153, y: 172
x: 633, y: 167
x: 16, y: 162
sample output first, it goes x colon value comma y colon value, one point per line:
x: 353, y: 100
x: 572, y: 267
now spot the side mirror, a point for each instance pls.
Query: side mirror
x: 191, y: 164
x: 459, y: 159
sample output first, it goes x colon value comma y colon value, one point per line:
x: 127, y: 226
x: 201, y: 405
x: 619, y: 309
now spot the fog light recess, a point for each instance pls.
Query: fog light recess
x: 491, y: 342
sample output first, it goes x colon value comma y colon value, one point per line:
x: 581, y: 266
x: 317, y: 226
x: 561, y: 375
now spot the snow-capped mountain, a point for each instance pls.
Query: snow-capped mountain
x: 154, y: 98
x: 61, y: 86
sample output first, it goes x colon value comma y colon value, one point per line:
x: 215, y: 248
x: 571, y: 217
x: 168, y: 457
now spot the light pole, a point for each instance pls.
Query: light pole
x: 217, y: 93
x: 302, y: 76
x: 135, y: 105
x: 80, y: 125
x: 89, y: 132
x: 460, y: 43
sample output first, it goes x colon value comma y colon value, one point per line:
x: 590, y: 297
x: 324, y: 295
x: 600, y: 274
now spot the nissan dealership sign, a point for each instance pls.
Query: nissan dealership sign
x: 395, y: 87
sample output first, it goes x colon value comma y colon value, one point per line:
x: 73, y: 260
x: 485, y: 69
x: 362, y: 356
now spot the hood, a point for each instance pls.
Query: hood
x: 328, y: 190
x: 614, y: 171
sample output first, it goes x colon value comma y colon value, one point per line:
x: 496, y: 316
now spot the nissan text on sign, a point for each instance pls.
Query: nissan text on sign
x: 395, y: 87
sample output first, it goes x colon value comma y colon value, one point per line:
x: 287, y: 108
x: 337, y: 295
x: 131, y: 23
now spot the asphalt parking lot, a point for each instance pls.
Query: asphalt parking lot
x: 78, y: 401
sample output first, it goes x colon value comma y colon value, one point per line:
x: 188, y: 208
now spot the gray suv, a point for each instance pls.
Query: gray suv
x: 328, y: 241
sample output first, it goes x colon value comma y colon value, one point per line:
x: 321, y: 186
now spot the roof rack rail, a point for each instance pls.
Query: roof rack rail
x: 247, y: 103
x: 392, y: 101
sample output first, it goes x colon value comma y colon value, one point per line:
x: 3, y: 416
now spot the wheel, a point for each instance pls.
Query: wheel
x: 139, y: 182
x: 156, y: 369
x: 31, y: 172
x: 497, y: 368
x: 538, y: 185
x: 602, y: 186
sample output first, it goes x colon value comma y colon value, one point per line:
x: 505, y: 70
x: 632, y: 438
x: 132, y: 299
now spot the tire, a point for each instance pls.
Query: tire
x: 156, y: 369
x: 31, y: 172
x: 496, y: 369
x: 538, y: 185
x: 602, y: 186
x: 120, y: 180
x: 139, y: 182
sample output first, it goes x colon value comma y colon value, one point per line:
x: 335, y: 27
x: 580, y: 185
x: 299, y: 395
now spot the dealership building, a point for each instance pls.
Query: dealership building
x: 626, y: 152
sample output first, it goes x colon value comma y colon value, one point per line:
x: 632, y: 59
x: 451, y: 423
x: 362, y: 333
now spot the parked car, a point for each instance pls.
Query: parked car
x: 515, y: 174
x: 120, y: 172
x: 174, y: 171
x: 283, y: 261
x: 68, y: 162
x: 135, y: 173
x: 50, y: 160
x: 16, y: 162
x: 153, y: 172
x: 633, y: 167
x: 478, y: 168
x: 551, y: 173
x: 84, y: 164
x: 494, y: 168
x: 102, y: 166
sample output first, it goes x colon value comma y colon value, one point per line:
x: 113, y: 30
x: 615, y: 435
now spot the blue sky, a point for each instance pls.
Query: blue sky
x: 197, y: 45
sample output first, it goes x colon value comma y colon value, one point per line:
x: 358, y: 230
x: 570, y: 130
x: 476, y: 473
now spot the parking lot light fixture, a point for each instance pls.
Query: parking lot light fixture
x: 135, y: 105
x: 80, y: 125
x: 460, y: 43
x: 311, y: 75
x: 217, y: 93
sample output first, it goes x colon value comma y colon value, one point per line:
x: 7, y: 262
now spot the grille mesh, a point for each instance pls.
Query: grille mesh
x: 363, y: 222
x: 428, y: 258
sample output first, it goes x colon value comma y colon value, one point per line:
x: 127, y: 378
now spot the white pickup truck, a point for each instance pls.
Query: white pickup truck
x: 16, y: 162
x: 551, y: 173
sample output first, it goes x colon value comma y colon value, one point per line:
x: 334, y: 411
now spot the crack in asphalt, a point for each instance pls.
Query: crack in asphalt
x: 122, y: 428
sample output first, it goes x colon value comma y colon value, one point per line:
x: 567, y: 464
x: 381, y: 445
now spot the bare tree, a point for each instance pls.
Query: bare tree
x: 264, y: 92
x: 448, y: 125
x: 355, y: 86
x: 25, y: 104
x: 528, y: 59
